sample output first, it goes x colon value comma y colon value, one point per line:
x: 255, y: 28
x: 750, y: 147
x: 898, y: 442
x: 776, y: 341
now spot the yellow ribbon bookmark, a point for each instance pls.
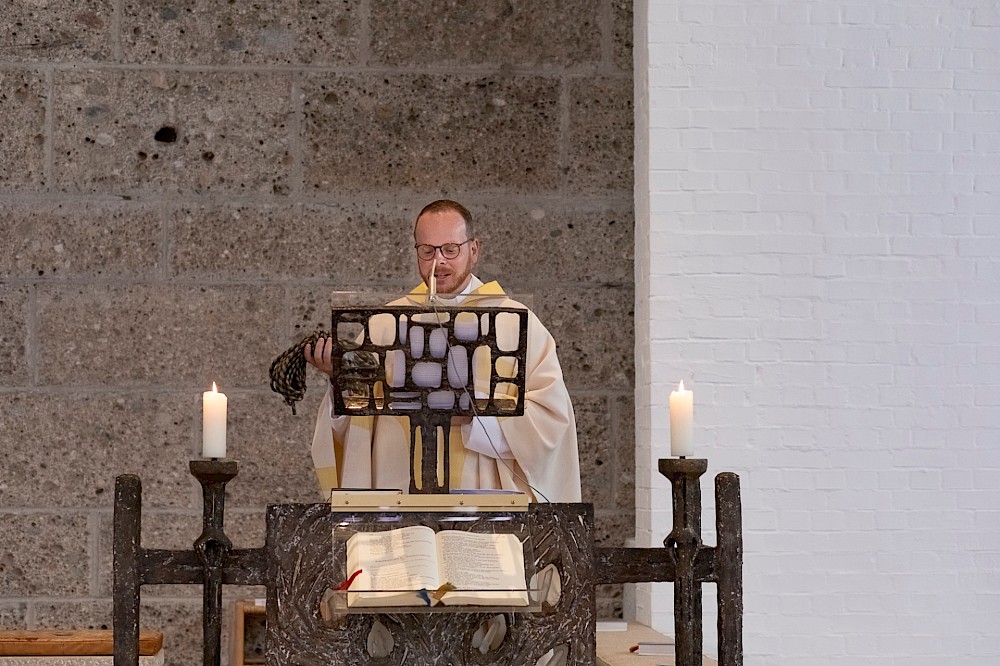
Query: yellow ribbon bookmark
x: 439, y: 593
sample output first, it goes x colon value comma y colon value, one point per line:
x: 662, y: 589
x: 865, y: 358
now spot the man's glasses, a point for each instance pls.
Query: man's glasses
x: 449, y: 250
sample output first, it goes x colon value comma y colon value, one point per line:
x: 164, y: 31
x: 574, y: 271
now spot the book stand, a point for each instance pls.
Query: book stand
x: 420, y: 362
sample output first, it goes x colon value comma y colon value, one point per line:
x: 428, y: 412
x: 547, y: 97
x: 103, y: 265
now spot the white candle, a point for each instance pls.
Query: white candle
x: 213, y: 423
x: 681, y: 422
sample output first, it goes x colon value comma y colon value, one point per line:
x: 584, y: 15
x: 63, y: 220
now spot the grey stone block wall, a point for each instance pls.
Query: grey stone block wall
x: 182, y: 185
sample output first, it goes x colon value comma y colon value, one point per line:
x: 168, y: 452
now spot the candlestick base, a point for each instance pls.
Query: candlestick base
x: 214, y: 470
x: 670, y: 467
x: 683, y: 545
x: 213, y: 547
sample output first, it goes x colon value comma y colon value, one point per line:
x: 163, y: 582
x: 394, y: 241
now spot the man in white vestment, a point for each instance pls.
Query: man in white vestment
x: 535, y: 453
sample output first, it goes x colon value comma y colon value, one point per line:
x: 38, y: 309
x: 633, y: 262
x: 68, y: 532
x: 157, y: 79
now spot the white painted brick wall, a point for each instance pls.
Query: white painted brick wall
x: 818, y: 256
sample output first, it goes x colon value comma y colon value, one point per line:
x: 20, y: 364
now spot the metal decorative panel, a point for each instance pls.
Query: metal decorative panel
x: 299, y: 546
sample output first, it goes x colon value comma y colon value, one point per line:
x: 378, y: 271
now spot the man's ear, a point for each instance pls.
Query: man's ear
x: 474, y: 248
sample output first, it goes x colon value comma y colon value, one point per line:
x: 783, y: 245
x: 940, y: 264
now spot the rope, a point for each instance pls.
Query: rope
x: 288, y: 372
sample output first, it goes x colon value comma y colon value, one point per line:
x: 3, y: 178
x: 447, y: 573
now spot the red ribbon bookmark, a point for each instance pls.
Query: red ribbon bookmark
x: 347, y: 583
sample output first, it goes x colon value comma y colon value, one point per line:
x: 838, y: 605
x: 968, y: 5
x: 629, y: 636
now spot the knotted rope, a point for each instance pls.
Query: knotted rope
x: 288, y: 372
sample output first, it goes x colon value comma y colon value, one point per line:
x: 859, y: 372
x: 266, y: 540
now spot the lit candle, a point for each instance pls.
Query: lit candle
x: 681, y: 422
x: 213, y: 423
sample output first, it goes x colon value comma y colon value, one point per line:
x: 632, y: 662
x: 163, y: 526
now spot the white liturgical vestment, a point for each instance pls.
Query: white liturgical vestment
x: 537, y: 451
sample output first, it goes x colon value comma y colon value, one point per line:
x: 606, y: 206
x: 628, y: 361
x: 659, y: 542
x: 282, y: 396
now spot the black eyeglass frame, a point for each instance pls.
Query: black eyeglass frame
x: 434, y: 249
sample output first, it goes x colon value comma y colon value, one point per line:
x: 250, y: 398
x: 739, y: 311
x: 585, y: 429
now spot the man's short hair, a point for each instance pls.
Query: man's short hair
x: 445, y: 205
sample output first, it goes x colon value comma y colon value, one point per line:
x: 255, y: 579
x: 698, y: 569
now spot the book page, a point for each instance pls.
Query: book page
x: 402, y: 559
x: 472, y: 561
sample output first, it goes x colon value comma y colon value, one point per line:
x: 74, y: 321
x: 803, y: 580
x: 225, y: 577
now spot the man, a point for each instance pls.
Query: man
x: 535, y: 453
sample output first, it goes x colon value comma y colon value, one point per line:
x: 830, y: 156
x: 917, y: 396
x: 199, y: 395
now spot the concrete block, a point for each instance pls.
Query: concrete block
x: 245, y: 527
x: 593, y: 425
x: 555, y: 243
x: 600, y: 134
x: 183, y: 622
x: 57, y: 30
x: 171, y: 132
x: 310, y: 305
x: 624, y: 459
x: 430, y: 132
x: 609, y: 600
x: 612, y: 528
x: 622, y: 38
x: 22, y: 153
x: 80, y: 240
x: 254, y: 637
x: 163, y: 335
x: 51, y: 556
x: 410, y: 33
x: 344, y: 244
x: 14, y: 304
x: 93, y: 614
x: 203, y: 32
x: 88, y: 441
x: 13, y: 615
x: 273, y: 448
x: 179, y: 620
x: 594, y: 334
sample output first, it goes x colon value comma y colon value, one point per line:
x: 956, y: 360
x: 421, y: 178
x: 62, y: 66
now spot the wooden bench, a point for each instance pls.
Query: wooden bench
x: 65, y: 648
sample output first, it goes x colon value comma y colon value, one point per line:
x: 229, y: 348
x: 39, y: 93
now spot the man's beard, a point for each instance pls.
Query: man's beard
x: 454, y: 282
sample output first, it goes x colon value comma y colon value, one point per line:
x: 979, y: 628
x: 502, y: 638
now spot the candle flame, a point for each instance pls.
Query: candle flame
x: 681, y: 386
x: 214, y: 389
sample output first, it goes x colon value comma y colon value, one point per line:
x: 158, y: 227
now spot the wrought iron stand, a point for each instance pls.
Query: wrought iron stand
x: 684, y: 545
x: 211, y: 563
x: 213, y: 547
x: 687, y: 563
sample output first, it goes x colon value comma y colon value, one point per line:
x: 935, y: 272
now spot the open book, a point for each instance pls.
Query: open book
x: 484, y: 569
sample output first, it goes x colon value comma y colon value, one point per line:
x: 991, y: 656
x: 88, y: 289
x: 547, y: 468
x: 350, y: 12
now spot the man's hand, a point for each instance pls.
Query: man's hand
x: 322, y: 359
